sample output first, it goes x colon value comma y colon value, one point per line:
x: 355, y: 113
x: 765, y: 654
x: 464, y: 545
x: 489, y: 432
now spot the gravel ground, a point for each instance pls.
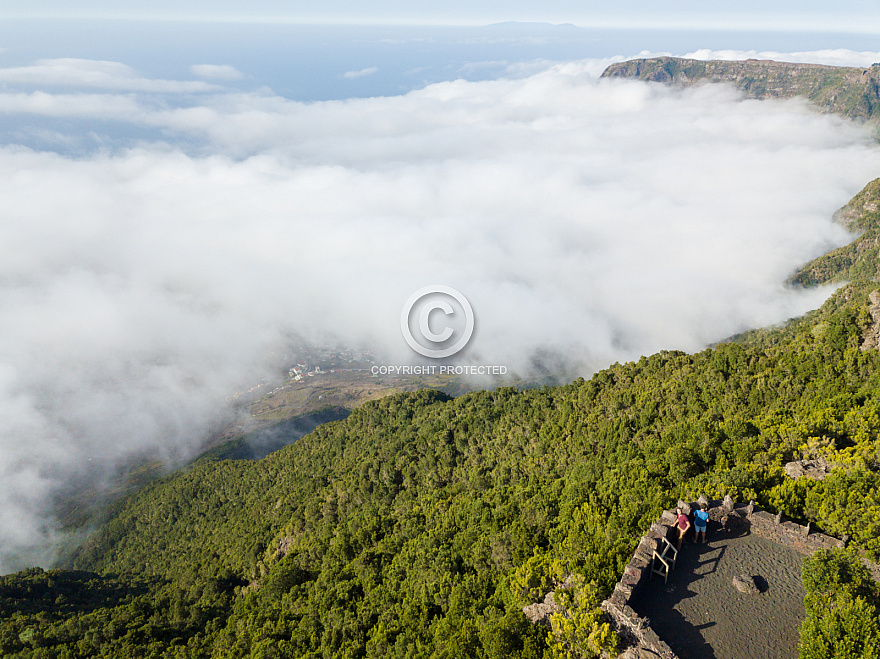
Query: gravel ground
x: 702, y: 616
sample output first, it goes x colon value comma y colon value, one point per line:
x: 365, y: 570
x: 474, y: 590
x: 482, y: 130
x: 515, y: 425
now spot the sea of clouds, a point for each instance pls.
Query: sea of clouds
x: 166, y: 239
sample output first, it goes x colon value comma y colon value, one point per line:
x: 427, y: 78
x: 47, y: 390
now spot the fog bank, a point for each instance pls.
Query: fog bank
x: 160, y: 248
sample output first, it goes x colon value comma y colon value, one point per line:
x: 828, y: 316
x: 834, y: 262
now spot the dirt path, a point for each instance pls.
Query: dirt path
x: 702, y: 616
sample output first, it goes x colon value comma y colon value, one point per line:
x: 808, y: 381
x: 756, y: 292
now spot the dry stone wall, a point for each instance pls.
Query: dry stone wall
x: 641, y: 640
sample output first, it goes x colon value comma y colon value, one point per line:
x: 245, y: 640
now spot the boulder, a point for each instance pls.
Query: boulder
x: 746, y: 584
x: 540, y: 612
x: 727, y: 505
x: 815, y: 469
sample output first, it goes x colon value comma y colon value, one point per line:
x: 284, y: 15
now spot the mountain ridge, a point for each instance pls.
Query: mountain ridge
x: 848, y: 91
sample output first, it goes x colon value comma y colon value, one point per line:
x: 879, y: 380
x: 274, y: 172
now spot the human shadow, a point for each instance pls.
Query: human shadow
x: 660, y: 602
x: 706, y: 555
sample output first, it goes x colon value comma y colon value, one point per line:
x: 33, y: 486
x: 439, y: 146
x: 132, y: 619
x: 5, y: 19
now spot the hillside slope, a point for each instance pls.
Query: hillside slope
x: 858, y: 260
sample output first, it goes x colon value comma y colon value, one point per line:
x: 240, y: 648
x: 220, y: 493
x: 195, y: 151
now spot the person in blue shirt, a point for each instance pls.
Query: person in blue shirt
x: 701, y: 519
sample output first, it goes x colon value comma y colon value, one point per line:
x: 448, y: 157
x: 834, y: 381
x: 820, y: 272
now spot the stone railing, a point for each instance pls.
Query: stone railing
x: 635, y: 630
x: 799, y: 538
x: 643, y: 641
x: 790, y: 534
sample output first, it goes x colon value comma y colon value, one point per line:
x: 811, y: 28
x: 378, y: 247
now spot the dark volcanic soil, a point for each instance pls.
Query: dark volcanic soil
x: 702, y: 616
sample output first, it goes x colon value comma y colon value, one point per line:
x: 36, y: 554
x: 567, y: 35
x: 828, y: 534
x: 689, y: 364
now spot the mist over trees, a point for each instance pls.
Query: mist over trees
x: 421, y: 525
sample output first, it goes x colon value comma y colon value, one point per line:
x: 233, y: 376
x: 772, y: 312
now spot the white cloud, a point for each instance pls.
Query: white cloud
x: 594, y: 220
x: 96, y: 106
x: 97, y: 75
x: 216, y: 71
x: 350, y: 75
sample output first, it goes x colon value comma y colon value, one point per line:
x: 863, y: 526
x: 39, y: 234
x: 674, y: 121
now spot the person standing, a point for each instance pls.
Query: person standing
x: 701, y: 520
x: 683, y: 523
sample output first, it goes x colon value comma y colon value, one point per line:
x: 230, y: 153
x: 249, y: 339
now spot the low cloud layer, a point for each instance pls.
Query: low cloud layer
x: 92, y: 74
x: 586, y: 220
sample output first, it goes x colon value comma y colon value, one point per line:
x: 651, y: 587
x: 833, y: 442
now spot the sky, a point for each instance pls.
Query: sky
x: 849, y: 16
x: 185, y: 200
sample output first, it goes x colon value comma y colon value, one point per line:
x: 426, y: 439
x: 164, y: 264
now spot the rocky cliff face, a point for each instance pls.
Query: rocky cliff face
x: 852, y: 92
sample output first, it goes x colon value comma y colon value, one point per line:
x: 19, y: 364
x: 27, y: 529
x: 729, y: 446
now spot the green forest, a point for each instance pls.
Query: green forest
x: 843, y: 608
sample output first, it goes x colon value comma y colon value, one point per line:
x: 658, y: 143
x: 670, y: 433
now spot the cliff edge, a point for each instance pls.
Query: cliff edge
x: 849, y: 91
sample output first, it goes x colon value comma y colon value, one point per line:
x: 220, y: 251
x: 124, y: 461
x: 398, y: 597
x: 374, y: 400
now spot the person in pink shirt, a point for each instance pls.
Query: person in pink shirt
x: 683, y: 523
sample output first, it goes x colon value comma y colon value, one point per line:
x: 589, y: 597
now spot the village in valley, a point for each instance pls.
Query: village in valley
x: 319, y: 379
x: 335, y: 360
x: 310, y: 363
